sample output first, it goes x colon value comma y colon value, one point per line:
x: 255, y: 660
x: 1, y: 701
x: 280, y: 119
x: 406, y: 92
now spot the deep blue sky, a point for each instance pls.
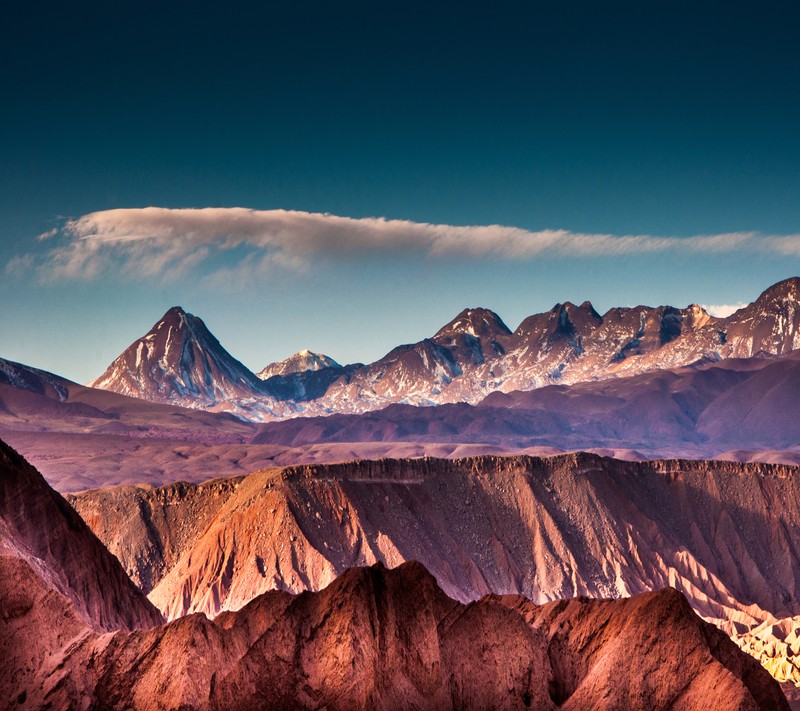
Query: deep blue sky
x: 666, y: 118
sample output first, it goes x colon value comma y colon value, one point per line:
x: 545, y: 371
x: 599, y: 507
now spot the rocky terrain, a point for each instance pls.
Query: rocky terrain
x: 704, y: 410
x: 179, y: 361
x: 75, y: 633
x: 41, y: 533
x: 722, y: 533
x: 301, y: 362
x: 475, y: 354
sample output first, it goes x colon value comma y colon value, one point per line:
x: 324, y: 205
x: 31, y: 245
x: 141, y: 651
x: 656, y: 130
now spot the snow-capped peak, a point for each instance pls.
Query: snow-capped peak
x: 479, y: 322
x: 179, y: 360
x: 300, y: 362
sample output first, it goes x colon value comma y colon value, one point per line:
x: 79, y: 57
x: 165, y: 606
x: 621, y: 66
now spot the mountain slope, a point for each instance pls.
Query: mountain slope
x: 384, y: 639
x: 566, y: 345
x: 96, y: 438
x: 33, y: 380
x: 694, y: 411
x: 374, y: 638
x: 39, y: 529
x: 300, y: 362
x: 723, y: 533
x: 179, y: 360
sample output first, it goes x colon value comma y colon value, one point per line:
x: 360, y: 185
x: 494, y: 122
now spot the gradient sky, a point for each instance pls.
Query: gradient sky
x: 650, y: 119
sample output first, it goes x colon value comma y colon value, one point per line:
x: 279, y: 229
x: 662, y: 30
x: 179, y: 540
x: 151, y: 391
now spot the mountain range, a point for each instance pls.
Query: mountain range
x: 180, y: 362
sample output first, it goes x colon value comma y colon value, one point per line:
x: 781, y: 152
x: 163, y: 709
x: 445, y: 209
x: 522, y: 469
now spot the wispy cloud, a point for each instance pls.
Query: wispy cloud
x: 155, y: 242
x: 723, y: 310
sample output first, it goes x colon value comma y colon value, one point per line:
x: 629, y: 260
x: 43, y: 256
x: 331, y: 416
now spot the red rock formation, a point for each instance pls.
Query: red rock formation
x: 39, y: 529
x: 721, y: 532
x: 373, y: 639
x: 390, y: 639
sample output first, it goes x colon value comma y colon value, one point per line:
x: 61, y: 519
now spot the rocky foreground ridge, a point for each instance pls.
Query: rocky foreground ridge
x: 723, y: 533
x: 372, y: 639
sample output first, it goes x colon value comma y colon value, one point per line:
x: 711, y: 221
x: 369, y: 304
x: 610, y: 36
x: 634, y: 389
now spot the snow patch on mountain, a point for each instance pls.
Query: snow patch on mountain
x: 472, y: 356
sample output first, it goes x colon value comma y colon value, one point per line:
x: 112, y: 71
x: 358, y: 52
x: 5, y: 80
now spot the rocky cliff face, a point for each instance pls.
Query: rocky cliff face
x: 374, y: 638
x: 58, y: 587
x: 544, y: 527
x: 549, y: 528
x: 40, y: 531
x: 390, y: 639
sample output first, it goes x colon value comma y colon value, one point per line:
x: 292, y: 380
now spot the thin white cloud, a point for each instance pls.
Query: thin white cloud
x: 723, y: 310
x: 155, y: 242
x: 19, y: 265
x: 47, y: 235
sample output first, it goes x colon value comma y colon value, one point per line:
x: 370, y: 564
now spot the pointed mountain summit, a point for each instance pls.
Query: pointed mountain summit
x: 301, y: 362
x: 481, y: 323
x: 474, y: 354
x: 179, y: 361
x: 788, y: 289
x: 771, y: 324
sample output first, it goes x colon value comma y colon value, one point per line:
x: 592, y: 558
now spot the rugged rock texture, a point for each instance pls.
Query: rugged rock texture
x: 473, y: 355
x: 300, y: 362
x: 179, y: 361
x: 704, y: 410
x: 41, y: 532
x: 548, y: 528
x: 721, y: 532
x: 380, y: 639
x: 476, y: 353
x: 592, y: 642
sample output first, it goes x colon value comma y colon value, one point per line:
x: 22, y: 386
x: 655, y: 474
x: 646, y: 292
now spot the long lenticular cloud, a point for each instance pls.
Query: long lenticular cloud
x: 153, y: 241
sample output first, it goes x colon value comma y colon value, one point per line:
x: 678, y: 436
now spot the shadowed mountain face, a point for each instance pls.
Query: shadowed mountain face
x: 179, y: 361
x: 40, y: 531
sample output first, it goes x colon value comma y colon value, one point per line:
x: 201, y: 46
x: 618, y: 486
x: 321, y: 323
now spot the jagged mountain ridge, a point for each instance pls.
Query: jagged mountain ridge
x: 384, y: 639
x: 566, y: 345
x: 704, y: 410
x: 473, y: 355
x: 373, y: 639
x: 548, y: 528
